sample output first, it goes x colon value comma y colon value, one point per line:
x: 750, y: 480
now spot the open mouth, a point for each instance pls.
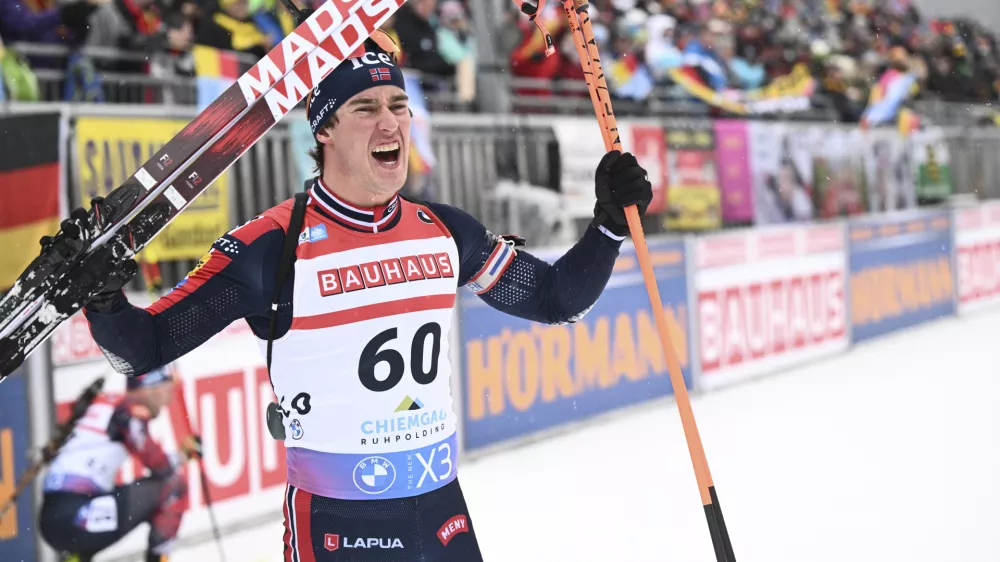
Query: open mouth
x: 387, y: 154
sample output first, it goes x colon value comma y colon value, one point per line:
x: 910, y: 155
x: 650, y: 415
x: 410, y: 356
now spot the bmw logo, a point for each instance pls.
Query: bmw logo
x: 374, y: 475
x: 297, y: 431
x: 423, y: 217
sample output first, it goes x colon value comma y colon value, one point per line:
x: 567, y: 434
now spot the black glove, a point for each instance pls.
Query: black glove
x: 98, y: 271
x: 109, y: 279
x: 620, y: 181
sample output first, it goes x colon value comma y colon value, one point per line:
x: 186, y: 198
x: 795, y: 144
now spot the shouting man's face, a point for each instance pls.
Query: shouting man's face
x: 368, y: 147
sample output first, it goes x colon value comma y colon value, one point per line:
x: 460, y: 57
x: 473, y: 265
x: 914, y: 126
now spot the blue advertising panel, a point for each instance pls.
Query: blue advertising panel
x: 17, y: 528
x: 901, y: 272
x: 521, y: 377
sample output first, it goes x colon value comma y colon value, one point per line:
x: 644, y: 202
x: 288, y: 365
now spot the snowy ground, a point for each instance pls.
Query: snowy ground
x: 890, y: 453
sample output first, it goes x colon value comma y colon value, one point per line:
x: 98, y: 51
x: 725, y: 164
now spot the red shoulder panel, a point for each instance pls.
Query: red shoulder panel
x: 280, y: 213
x: 260, y: 225
x: 209, y: 264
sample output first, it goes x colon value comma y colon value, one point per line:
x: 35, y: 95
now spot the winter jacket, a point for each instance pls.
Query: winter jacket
x: 418, y: 38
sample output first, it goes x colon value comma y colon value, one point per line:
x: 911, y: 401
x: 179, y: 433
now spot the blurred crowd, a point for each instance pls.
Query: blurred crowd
x: 846, y: 45
x: 434, y: 35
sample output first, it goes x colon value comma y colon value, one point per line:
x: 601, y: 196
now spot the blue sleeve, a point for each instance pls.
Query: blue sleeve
x: 522, y: 285
x: 234, y: 280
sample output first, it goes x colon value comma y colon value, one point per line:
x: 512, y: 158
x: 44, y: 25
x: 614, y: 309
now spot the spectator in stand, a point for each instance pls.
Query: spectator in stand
x: 627, y: 74
x: 527, y: 58
x: 702, y: 49
x: 273, y: 18
x: 455, y: 41
x: 740, y: 73
x: 895, y: 86
x: 232, y: 28
x: 175, y: 60
x: 132, y: 25
x: 834, y: 84
x: 746, y: 44
x: 191, y: 9
x: 457, y: 47
x: 66, y: 23
x: 416, y: 26
x: 662, y: 54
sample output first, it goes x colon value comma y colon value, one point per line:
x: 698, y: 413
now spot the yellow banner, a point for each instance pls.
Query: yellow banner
x: 109, y: 150
x: 693, y: 198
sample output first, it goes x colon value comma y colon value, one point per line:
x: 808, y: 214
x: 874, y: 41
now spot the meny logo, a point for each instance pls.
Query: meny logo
x: 454, y: 526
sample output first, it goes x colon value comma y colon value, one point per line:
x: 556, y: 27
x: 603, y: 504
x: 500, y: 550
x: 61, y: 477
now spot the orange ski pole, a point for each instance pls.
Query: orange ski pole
x: 577, y: 11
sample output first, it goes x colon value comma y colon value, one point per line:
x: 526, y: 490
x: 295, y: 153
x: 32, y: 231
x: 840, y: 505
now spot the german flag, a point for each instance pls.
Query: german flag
x: 29, y: 189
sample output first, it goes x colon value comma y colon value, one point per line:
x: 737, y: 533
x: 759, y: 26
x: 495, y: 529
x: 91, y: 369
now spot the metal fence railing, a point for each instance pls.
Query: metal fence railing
x: 123, y: 76
x: 949, y: 113
x: 480, y: 160
x: 571, y: 97
x: 137, y: 85
x: 975, y: 161
x: 129, y: 77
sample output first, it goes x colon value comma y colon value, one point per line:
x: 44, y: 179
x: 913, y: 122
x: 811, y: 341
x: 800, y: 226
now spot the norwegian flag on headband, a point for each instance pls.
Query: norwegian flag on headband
x: 380, y: 74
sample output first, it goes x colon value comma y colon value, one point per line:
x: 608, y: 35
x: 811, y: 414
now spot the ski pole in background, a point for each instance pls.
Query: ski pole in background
x: 59, y: 438
x: 201, y: 472
x: 577, y: 12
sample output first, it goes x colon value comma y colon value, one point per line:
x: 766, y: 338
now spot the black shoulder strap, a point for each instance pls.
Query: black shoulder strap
x: 285, y: 263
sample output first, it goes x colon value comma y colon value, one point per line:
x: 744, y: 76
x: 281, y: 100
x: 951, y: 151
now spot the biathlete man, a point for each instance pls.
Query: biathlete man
x: 83, y: 511
x: 359, y: 363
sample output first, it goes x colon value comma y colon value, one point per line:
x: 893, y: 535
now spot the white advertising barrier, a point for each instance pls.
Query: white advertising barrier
x: 226, y: 388
x: 768, y: 298
x: 977, y: 241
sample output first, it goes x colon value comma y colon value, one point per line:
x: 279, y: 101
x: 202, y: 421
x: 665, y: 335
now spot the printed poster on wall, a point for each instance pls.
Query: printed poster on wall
x: 732, y: 157
x: 581, y: 148
x: 781, y: 172
x: 806, y: 172
x: 839, y: 187
x: 693, y: 200
x: 889, y: 183
x: 521, y: 377
x: 931, y: 164
x: 649, y: 145
x: 109, y: 150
